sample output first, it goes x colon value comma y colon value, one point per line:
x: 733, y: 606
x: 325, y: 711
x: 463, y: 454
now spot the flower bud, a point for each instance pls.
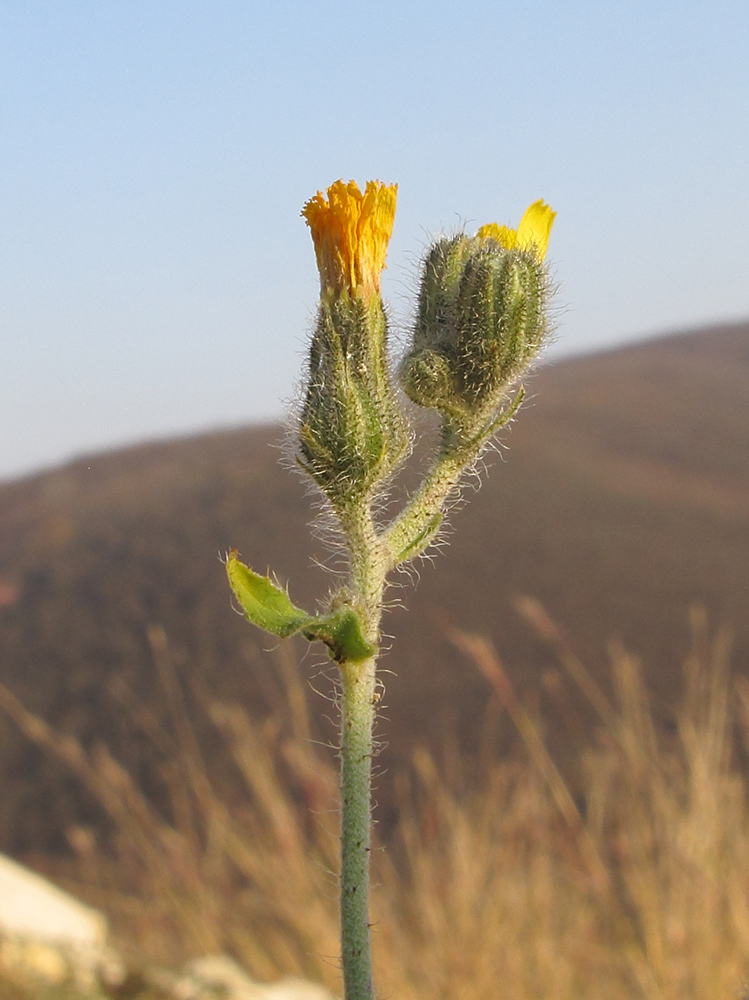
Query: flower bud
x: 351, y: 433
x: 480, y: 323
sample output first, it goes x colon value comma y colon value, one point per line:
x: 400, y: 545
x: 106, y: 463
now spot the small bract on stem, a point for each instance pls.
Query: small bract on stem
x: 481, y: 321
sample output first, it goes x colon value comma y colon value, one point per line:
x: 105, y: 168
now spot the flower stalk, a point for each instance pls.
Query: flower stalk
x: 481, y: 321
x: 357, y: 725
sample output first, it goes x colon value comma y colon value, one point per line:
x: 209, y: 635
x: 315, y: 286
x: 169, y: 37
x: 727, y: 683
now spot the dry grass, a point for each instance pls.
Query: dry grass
x: 497, y: 886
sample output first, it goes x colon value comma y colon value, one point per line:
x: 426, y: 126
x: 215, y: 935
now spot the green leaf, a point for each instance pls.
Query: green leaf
x: 342, y: 634
x: 263, y: 603
x: 270, y: 608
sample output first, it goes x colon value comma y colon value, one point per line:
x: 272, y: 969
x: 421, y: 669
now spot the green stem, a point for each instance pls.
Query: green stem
x: 414, y: 529
x: 357, y: 720
x: 412, y: 532
x: 368, y: 565
x: 368, y: 570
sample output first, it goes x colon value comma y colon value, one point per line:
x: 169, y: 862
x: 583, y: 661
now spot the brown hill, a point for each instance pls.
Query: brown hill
x: 624, y: 498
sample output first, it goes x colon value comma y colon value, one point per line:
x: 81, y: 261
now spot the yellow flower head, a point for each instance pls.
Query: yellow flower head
x: 533, y: 231
x: 351, y: 232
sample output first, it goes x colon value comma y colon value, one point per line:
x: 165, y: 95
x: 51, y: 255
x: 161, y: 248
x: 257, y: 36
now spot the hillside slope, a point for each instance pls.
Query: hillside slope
x: 623, y: 498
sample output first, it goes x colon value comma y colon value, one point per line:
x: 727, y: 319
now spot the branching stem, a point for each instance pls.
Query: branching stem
x: 415, y: 527
x: 481, y: 321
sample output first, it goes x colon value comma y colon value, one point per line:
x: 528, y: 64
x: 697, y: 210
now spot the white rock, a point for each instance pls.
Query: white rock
x: 297, y: 989
x: 205, y: 976
x: 30, y: 906
x: 46, y: 931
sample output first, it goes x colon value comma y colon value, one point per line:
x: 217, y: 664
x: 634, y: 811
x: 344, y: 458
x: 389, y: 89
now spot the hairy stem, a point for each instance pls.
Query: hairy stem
x: 369, y: 565
x: 357, y: 720
x: 368, y: 569
x: 415, y: 527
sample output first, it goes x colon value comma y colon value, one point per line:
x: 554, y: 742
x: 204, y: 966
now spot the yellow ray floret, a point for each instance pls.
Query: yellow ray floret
x: 533, y: 231
x: 351, y: 232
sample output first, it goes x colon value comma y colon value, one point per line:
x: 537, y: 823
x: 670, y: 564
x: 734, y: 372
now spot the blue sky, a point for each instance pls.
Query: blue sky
x: 155, y: 275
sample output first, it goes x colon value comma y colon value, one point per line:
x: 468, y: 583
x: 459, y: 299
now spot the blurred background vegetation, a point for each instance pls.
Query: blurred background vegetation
x: 559, y: 821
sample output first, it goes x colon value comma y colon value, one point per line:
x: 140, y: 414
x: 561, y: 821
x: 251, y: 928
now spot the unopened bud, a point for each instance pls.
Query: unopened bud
x: 351, y: 433
x: 481, y: 322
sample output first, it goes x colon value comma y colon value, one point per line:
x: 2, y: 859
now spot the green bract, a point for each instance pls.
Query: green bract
x: 351, y: 433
